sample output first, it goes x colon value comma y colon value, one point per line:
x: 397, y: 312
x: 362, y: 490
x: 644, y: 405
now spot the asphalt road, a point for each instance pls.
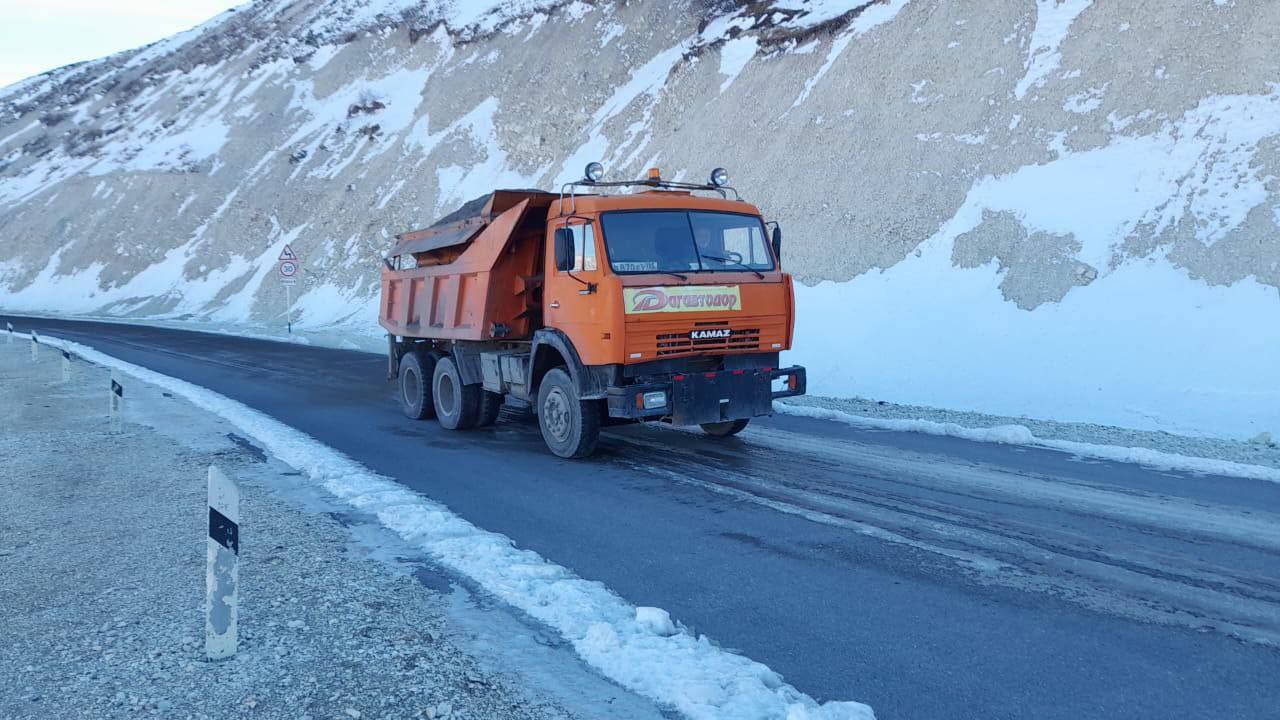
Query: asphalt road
x: 930, y: 577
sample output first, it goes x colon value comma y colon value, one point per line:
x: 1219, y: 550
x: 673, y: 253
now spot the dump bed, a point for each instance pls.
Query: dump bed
x: 476, y: 274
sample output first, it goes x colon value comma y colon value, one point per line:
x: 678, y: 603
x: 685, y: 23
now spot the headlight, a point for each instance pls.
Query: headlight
x: 595, y: 171
x: 655, y: 400
x: 719, y: 177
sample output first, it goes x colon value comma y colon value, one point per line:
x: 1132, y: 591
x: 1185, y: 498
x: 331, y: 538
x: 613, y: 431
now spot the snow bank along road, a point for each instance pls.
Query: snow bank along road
x: 928, y: 576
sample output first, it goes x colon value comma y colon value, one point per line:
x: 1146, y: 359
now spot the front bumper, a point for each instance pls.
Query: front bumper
x: 697, y: 398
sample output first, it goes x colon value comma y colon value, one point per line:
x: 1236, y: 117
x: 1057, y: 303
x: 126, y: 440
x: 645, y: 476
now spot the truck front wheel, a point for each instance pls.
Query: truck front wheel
x: 416, y: 369
x: 725, y: 429
x: 570, y: 426
x: 457, y: 405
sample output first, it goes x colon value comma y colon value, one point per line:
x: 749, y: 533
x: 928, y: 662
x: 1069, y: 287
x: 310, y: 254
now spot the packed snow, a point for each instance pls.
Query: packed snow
x: 1021, y: 435
x: 1147, y: 347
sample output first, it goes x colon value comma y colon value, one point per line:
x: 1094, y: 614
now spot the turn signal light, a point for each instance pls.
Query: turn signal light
x: 792, y: 382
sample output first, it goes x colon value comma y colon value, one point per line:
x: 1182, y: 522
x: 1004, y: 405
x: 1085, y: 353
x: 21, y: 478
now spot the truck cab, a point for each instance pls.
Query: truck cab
x: 659, y: 304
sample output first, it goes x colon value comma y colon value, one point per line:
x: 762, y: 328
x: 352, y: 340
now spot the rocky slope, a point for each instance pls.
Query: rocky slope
x: 1056, y: 208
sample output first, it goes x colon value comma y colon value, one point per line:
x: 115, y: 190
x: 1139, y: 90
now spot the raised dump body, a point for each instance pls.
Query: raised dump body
x: 591, y: 309
x: 473, y: 275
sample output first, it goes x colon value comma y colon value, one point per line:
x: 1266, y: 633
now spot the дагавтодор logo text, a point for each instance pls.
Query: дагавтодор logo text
x: 693, y: 298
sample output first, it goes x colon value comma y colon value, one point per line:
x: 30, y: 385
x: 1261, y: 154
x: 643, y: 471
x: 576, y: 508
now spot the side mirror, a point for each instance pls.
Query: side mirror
x: 777, y: 242
x: 564, y: 249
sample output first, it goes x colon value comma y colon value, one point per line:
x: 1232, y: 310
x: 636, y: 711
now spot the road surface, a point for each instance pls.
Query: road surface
x: 930, y: 577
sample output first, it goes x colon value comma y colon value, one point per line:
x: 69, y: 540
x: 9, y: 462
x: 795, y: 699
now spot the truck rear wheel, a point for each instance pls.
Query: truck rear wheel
x: 416, y: 369
x: 457, y: 405
x: 570, y: 426
x: 725, y: 429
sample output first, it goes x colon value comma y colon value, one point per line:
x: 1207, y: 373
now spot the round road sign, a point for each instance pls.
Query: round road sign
x: 288, y: 268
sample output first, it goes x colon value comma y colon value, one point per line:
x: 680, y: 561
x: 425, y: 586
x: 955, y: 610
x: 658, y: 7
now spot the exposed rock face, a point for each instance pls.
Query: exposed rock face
x: 1038, y: 267
x: 1062, y: 139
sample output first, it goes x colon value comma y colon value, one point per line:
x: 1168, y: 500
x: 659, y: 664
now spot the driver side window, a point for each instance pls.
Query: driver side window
x: 584, y: 248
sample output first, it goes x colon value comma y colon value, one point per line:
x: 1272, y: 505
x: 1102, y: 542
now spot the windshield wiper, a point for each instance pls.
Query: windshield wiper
x: 718, y: 258
x: 674, y: 274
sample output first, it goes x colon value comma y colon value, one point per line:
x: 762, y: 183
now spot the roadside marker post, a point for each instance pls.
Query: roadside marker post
x: 35, y: 347
x: 115, y: 407
x: 9, y: 327
x: 66, y: 366
x: 222, y: 571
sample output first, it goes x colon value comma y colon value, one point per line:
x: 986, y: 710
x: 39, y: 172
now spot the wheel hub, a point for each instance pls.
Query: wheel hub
x: 556, y: 414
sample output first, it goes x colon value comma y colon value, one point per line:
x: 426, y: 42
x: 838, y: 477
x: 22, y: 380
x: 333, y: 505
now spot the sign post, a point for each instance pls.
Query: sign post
x: 288, y: 276
x: 35, y: 347
x: 222, y: 570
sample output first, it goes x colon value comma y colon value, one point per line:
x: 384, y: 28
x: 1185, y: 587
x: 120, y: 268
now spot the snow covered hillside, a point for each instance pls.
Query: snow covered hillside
x: 1057, y: 208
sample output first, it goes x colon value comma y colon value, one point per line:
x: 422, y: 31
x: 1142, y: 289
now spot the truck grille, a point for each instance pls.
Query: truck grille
x: 662, y: 338
x: 679, y: 343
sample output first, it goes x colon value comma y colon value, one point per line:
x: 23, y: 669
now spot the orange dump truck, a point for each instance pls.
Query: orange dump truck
x: 592, y: 306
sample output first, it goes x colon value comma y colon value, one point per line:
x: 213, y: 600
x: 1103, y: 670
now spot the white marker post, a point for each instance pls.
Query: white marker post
x: 288, y: 276
x: 9, y: 327
x: 66, y: 366
x: 115, y: 406
x: 35, y: 347
x: 222, y: 577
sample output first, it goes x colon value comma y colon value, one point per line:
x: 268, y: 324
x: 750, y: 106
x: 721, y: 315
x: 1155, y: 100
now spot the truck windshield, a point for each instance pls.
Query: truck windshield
x: 681, y: 241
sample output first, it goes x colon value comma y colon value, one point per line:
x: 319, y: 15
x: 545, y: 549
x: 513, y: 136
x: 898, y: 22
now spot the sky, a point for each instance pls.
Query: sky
x: 40, y: 35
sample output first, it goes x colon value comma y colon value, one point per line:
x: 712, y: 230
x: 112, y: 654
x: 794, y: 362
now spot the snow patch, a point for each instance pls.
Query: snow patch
x: 490, y: 169
x: 1085, y: 102
x: 646, y: 82
x: 1198, y: 170
x: 816, y: 12
x: 734, y: 56
x: 870, y: 18
x: 656, y: 621
x: 1053, y: 21
x: 609, y: 32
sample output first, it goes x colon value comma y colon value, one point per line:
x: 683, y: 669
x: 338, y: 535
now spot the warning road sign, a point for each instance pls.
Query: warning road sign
x: 288, y: 254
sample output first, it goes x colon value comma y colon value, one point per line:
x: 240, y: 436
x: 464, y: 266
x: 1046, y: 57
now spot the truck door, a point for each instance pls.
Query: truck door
x: 573, y: 301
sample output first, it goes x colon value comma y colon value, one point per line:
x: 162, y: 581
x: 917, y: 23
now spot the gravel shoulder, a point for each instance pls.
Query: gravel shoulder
x: 102, y: 537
